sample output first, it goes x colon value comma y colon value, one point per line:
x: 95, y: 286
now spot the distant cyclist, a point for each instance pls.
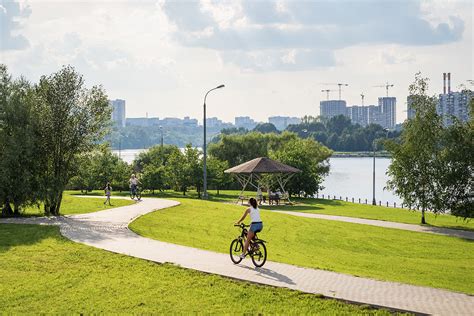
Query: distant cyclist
x: 256, y: 224
x: 133, y: 184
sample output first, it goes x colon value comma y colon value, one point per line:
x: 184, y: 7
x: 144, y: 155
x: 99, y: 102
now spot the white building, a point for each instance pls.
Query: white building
x: 118, y: 112
x: 331, y: 108
x: 282, y: 122
x: 245, y: 122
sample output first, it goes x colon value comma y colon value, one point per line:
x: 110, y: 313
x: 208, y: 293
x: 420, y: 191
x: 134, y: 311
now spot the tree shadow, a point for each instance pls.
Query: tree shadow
x: 15, y: 234
x: 461, y: 233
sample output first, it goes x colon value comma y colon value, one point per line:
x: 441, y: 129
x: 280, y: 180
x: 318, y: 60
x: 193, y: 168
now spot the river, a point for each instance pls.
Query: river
x: 349, y: 177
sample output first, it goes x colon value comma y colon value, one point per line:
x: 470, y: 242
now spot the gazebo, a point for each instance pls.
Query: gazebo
x: 252, y: 172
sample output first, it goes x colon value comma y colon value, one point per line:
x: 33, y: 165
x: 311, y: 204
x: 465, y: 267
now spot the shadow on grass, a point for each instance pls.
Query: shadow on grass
x: 25, y: 235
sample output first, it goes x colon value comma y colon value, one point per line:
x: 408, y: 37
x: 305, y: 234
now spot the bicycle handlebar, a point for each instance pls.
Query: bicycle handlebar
x: 241, y: 225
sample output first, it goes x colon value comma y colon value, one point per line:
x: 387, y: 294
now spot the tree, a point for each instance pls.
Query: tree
x: 72, y: 119
x: 311, y: 158
x: 156, y: 155
x: 414, y: 170
x: 185, y: 169
x: 19, y: 164
x: 215, y: 173
x: 154, y: 177
x: 265, y: 128
x: 457, y: 167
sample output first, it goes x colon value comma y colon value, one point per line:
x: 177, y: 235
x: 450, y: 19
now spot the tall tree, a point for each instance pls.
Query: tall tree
x: 415, y: 170
x: 72, y: 120
x: 19, y: 164
x: 457, y: 163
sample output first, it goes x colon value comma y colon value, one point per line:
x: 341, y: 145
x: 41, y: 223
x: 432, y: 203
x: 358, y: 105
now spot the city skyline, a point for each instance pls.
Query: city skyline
x: 273, y: 57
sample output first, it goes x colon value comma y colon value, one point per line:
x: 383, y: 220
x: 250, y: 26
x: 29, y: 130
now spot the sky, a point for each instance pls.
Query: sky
x: 274, y: 57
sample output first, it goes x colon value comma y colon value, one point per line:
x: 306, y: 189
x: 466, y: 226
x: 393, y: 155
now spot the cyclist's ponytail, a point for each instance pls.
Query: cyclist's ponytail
x: 253, y: 202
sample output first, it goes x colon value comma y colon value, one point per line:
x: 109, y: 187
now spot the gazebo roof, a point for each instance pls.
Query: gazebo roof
x: 262, y: 165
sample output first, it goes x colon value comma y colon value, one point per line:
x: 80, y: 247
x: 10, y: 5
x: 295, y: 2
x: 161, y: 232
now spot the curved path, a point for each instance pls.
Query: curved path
x: 465, y: 234
x: 109, y: 230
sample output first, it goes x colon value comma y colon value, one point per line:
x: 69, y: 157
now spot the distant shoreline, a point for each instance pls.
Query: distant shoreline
x: 361, y: 154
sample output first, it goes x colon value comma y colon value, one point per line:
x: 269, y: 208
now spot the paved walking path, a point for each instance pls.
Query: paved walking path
x: 373, y: 222
x: 108, y: 230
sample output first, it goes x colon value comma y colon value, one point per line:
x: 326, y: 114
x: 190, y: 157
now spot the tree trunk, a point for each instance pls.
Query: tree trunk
x: 7, y: 209
x: 55, y: 205
x: 16, y: 211
x: 423, y: 216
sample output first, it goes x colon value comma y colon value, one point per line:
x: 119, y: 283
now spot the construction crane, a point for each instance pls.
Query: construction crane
x: 337, y: 84
x: 362, y: 95
x: 386, y: 86
x: 327, y: 92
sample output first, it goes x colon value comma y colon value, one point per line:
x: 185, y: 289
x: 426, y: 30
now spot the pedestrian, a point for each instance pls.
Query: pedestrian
x: 108, y: 193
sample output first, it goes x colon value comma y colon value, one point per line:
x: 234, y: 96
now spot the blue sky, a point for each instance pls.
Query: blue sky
x: 273, y: 56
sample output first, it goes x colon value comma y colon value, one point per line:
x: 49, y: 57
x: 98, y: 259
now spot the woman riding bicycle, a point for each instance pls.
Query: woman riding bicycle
x: 256, y: 224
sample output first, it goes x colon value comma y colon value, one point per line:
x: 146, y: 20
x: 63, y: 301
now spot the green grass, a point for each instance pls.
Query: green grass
x: 43, y: 272
x: 332, y: 207
x: 342, y: 208
x: 78, y: 205
x: 362, y: 250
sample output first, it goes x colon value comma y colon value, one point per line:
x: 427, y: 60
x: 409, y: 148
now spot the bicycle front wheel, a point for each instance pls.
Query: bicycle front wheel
x: 259, y: 253
x: 236, y: 248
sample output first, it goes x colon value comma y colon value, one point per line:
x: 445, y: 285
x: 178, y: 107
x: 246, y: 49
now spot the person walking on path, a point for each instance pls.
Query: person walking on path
x: 259, y: 195
x: 256, y: 224
x: 108, y: 193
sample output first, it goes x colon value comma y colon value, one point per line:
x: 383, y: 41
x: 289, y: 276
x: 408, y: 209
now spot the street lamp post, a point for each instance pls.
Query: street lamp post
x: 204, y: 147
x: 374, y: 202
x: 373, y: 177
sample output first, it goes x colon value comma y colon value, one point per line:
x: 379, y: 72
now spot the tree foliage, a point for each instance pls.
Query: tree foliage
x: 311, y: 158
x: 338, y: 133
x: 72, y: 119
x: 432, y: 166
x: 19, y: 164
x: 44, y: 130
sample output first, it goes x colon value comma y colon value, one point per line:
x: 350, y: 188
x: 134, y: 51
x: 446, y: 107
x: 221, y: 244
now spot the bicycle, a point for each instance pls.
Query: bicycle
x: 257, y: 249
x: 135, y: 192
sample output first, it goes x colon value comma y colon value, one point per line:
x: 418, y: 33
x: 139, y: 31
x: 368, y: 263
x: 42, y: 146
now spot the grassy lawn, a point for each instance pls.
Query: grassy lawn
x: 332, y: 207
x: 43, y: 272
x: 381, y: 253
x: 77, y: 205
x: 342, y: 208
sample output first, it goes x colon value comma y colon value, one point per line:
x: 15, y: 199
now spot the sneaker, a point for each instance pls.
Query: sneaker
x: 242, y: 256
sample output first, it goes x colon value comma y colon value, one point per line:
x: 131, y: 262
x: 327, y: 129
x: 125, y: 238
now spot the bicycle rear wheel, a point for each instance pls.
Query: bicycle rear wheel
x: 138, y: 195
x: 259, y: 253
x: 236, y: 248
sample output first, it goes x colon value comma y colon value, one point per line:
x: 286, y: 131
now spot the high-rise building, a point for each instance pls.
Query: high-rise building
x: 450, y: 104
x: 282, y: 122
x: 331, y: 108
x: 388, y: 112
x: 358, y: 114
x: 245, y: 122
x: 454, y: 104
x: 118, y: 111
